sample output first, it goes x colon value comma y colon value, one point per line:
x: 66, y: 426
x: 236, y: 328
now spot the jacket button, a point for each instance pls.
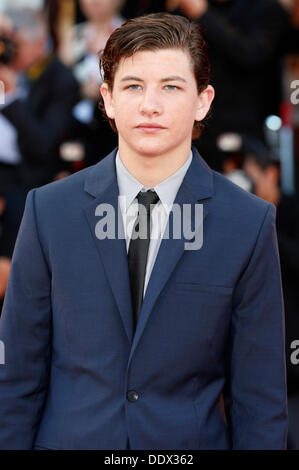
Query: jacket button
x: 132, y: 395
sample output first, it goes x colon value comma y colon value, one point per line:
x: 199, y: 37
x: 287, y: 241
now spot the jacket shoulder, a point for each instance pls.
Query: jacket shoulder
x: 62, y: 190
x: 230, y: 194
x: 80, y: 185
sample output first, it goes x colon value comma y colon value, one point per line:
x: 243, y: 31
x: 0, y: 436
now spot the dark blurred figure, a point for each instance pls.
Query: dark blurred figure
x: 6, y: 237
x: 35, y: 113
x: 246, y: 44
x: 293, y: 38
x: 133, y: 8
x: 40, y: 93
x: 264, y: 173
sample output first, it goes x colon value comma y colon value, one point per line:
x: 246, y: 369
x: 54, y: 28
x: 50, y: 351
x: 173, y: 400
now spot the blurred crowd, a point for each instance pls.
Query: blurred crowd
x: 51, y: 126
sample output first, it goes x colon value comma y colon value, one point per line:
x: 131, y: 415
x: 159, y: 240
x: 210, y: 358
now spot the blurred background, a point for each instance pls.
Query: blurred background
x: 51, y: 127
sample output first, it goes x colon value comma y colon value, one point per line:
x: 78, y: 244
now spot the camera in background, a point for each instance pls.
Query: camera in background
x: 8, y: 50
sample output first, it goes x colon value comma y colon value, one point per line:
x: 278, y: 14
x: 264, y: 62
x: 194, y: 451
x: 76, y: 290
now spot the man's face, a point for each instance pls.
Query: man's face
x: 155, y: 88
x: 266, y: 181
x: 29, y: 51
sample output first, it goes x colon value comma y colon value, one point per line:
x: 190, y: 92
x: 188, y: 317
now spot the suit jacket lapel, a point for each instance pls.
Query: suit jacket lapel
x: 102, y: 184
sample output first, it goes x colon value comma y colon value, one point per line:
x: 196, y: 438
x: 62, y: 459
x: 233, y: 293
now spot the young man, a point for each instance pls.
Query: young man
x: 120, y: 341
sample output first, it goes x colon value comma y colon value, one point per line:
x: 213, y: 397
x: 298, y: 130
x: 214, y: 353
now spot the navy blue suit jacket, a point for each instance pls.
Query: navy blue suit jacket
x: 209, y: 317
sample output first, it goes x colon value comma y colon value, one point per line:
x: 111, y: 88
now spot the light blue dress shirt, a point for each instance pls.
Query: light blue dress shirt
x: 129, y: 187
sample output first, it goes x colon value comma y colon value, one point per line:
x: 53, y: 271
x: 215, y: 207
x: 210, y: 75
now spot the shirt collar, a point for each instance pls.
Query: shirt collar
x: 129, y: 186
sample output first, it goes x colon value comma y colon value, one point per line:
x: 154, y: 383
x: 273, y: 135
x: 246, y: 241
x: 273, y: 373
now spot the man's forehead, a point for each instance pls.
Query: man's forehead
x: 175, y: 61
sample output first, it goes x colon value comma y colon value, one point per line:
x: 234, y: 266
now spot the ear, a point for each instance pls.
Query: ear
x: 108, y: 100
x: 204, y: 102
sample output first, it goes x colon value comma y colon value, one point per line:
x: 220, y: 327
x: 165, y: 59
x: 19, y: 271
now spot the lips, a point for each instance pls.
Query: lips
x: 150, y: 124
x: 150, y: 127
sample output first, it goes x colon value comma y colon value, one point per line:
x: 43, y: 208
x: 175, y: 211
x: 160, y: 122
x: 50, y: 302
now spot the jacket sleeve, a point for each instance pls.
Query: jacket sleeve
x: 258, y: 395
x: 25, y: 332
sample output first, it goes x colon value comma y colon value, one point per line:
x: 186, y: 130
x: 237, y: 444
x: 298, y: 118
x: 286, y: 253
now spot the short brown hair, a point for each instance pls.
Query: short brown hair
x: 154, y: 32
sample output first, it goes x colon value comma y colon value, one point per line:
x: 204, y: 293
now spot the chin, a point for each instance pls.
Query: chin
x: 148, y: 151
x: 152, y: 149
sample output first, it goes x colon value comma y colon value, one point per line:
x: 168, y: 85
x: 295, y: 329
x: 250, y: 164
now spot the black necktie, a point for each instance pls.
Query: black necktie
x: 138, y: 249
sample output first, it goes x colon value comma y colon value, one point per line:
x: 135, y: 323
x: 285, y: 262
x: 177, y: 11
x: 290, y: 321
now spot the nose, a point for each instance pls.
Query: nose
x: 150, y: 103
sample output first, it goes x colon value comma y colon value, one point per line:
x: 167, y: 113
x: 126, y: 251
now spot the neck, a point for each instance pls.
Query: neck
x: 102, y: 24
x: 150, y: 170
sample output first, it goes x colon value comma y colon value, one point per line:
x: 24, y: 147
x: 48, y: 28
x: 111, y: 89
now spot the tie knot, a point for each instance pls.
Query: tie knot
x: 146, y: 198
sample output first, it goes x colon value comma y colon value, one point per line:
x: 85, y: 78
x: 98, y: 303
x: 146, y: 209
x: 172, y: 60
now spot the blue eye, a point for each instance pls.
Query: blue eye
x: 133, y: 87
x: 171, y: 87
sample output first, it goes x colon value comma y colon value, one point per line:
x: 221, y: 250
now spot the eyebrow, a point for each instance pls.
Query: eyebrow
x: 166, y: 79
x: 174, y: 78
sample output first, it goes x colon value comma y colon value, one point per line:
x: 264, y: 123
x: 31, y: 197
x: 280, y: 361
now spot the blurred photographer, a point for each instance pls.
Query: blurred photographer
x: 35, y: 111
x: 40, y: 92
